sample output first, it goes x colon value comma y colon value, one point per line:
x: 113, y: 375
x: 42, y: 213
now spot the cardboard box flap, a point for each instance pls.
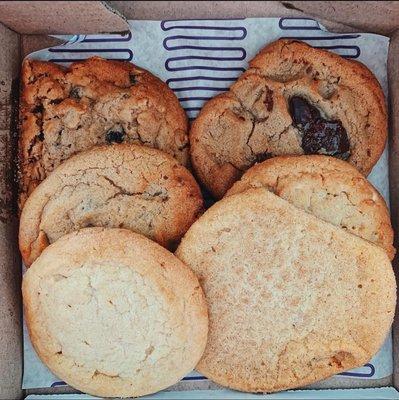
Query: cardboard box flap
x: 156, y: 10
x: 369, y: 16
x: 61, y: 17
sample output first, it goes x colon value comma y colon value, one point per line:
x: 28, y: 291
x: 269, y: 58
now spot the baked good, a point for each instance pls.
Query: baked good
x: 95, y: 101
x: 114, y: 314
x: 294, y: 99
x: 291, y: 298
x: 330, y: 189
x: 116, y: 186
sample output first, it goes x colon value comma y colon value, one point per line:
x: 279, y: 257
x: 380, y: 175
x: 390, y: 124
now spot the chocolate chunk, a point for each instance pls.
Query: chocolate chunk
x: 320, y: 136
x: 302, y: 112
x: 326, y: 137
x: 115, y: 135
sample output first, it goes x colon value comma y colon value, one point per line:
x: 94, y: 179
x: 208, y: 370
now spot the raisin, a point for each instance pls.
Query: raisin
x: 115, y: 136
x: 133, y: 79
x: 319, y: 136
x: 38, y: 109
x: 263, y: 156
x: 269, y: 99
x: 56, y: 101
x: 76, y: 92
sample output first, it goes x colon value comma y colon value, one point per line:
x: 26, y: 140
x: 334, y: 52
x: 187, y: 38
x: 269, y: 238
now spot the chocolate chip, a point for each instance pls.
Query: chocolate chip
x: 269, y: 99
x: 115, y: 135
x: 40, y: 136
x: 76, y: 92
x: 133, y: 79
x: 320, y: 136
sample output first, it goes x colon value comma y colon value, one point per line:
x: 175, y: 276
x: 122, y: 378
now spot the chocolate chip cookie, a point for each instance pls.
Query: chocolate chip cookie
x: 293, y: 100
x: 291, y: 299
x: 328, y: 188
x: 96, y: 101
x: 118, y: 186
x: 114, y: 314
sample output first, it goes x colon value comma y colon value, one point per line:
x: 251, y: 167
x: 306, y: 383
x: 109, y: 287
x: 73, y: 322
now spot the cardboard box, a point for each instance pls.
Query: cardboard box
x: 24, y: 27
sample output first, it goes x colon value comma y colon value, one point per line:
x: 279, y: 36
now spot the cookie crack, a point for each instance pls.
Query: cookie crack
x: 346, y: 194
x: 254, y: 118
x: 357, y: 343
x: 145, y: 142
x: 120, y: 189
x: 160, y: 194
x: 98, y: 373
x: 250, y: 136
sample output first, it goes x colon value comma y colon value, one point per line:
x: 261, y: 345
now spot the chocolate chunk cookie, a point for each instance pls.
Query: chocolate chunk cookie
x: 328, y: 188
x: 113, y: 314
x: 291, y: 299
x: 293, y: 100
x: 64, y: 111
x: 122, y: 186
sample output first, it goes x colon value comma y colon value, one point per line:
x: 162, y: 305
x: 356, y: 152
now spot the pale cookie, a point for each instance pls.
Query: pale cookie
x: 118, y: 186
x: 293, y: 100
x: 95, y: 101
x: 114, y: 314
x: 291, y: 298
x: 328, y: 188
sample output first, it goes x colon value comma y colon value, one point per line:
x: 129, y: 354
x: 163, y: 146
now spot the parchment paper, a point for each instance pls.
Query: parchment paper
x: 387, y: 393
x: 199, y: 59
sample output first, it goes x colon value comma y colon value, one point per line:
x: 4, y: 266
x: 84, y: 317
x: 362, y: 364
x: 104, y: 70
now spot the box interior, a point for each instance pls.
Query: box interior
x: 61, y: 17
x: 23, y: 29
x: 393, y: 79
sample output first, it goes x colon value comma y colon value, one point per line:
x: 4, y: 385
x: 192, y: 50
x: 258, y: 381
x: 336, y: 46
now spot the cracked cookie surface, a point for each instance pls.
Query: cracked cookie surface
x: 114, y: 314
x: 119, y: 186
x: 328, y: 188
x: 291, y: 298
x: 293, y: 100
x: 96, y: 101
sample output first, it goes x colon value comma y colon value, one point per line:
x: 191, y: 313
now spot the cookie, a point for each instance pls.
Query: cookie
x: 118, y: 186
x: 96, y: 101
x: 291, y: 298
x: 294, y: 99
x: 114, y: 314
x: 328, y: 188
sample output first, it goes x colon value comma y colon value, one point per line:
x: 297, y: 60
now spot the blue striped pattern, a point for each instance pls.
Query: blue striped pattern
x: 111, y: 46
x: 204, y: 61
